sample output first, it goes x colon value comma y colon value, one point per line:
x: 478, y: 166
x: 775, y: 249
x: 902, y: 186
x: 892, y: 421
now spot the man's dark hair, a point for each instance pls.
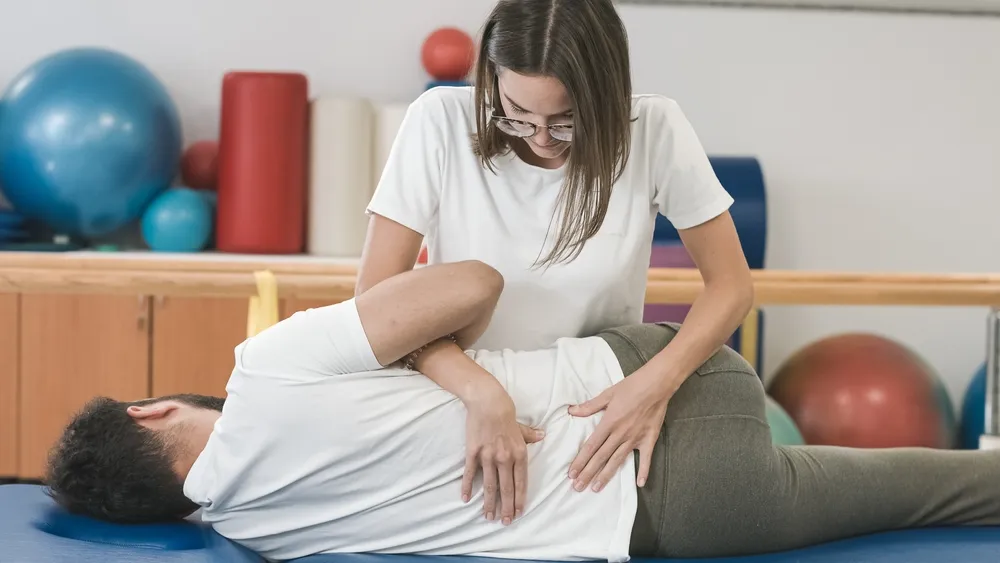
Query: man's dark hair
x: 108, y: 466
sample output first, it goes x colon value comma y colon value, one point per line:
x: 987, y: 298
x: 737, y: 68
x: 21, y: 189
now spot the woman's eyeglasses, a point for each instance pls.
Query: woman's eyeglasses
x: 517, y: 128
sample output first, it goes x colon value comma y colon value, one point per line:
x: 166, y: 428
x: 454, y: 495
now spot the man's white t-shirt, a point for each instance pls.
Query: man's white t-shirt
x: 434, y: 184
x: 319, y: 450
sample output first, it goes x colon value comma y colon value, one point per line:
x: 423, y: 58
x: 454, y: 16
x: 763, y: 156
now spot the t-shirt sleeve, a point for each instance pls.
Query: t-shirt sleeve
x: 686, y: 189
x: 325, y: 341
x: 409, y: 188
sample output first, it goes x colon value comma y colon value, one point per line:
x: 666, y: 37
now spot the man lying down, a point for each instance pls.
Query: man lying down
x: 320, y: 449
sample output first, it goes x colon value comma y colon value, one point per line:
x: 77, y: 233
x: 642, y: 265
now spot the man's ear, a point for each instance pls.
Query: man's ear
x: 152, y: 411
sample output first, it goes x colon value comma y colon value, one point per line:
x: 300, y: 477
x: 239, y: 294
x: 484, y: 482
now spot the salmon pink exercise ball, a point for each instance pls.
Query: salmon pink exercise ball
x: 448, y: 54
x: 200, y: 165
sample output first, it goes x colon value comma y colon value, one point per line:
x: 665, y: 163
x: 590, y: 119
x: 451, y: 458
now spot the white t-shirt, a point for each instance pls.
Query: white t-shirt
x: 319, y: 450
x: 434, y: 184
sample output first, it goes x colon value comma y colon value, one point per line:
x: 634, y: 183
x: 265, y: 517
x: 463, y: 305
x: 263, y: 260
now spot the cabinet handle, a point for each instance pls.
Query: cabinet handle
x: 143, y: 318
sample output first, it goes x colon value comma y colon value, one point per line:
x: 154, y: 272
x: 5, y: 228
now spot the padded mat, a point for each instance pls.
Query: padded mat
x: 34, y: 530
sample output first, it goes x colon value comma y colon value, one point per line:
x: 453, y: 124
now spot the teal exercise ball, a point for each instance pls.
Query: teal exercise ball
x: 974, y: 411
x: 88, y: 137
x: 179, y: 220
x: 784, y: 432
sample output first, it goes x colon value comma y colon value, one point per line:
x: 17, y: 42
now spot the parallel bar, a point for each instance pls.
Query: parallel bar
x: 200, y: 262
x: 665, y: 286
x: 769, y: 292
x: 189, y: 284
x: 220, y: 262
x: 838, y: 277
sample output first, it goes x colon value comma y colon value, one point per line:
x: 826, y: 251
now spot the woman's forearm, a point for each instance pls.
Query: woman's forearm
x: 445, y: 363
x: 714, y: 317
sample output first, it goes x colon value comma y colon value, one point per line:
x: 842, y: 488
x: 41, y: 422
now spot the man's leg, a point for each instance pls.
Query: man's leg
x: 719, y: 487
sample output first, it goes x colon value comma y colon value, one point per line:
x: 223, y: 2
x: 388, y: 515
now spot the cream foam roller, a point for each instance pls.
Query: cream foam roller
x: 340, y: 175
x: 388, y: 118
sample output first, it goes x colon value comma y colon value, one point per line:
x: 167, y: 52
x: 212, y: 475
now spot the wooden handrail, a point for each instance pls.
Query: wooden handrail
x: 201, y: 262
x: 307, y: 265
x: 772, y: 287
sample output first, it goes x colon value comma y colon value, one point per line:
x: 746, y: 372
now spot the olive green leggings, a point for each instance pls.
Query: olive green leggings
x: 718, y: 487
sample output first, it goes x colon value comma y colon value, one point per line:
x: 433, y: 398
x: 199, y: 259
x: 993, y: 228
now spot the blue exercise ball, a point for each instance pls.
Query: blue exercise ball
x: 178, y: 220
x: 974, y: 411
x: 88, y: 137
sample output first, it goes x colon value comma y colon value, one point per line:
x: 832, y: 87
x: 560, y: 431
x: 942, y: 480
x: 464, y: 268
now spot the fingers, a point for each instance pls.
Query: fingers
x: 520, y: 484
x: 589, y: 448
x: 645, y: 459
x: 506, y: 471
x: 614, y: 464
x: 489, y: 487
x: 530, y: 434
x: 506, y: 475
x: 593, y: 406
x: 597, y: 462
x: 471, y: 466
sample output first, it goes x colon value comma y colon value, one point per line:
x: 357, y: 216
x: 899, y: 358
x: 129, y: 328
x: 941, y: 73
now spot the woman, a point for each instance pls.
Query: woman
x: 552, y: 172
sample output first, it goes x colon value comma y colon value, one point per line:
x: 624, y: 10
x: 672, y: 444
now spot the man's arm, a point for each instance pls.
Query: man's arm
x: 410, y: 310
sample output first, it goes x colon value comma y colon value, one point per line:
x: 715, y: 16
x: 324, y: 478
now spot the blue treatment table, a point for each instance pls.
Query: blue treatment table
x: 34, y: 530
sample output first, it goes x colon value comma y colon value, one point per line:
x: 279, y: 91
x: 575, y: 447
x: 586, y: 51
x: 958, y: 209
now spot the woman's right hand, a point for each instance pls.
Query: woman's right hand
x: 497, y: 443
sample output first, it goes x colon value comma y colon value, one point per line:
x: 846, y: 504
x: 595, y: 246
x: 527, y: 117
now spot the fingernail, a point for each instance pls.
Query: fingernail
x: 573, y: 473
x: 641, y: 481
x: 578, y: 485
x: 597, y: 486
x: 506, y: 521
x: 489, y: 516
x: 465, y: 498
x: 517, y: 514
x: 540, y: 434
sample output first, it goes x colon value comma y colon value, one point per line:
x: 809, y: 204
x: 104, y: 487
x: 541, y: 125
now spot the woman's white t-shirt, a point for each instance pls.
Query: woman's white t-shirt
x: 434, y: 184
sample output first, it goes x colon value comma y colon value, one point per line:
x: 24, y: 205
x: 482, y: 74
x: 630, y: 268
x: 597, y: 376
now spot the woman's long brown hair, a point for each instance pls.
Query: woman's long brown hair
x: 583, y: 44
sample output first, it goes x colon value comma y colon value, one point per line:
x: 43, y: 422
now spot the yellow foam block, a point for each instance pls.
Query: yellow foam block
x: 263, y: 310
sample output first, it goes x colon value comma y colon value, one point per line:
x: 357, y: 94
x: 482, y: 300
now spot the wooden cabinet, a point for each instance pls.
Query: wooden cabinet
x: 73, y: 348
x: 192, y: 344
x: 193, y: 341
x: 9, y: 362
x: 60, y: 350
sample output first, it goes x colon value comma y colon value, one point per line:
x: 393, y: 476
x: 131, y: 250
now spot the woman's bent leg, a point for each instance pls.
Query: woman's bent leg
x: 719, y: 487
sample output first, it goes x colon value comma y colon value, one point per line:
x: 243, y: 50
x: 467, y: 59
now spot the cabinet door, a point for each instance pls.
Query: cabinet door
x: 73, y: 348
x: 193, y: 341
x: 9, y: 372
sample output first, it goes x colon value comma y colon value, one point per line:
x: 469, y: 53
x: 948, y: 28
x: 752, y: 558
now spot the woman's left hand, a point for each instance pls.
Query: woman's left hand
x: 634, y: 411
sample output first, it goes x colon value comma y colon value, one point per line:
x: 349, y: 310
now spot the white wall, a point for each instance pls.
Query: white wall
x: 879, y: 134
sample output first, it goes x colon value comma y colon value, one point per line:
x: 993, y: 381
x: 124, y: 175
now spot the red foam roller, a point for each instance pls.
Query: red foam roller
x: 263, y: 154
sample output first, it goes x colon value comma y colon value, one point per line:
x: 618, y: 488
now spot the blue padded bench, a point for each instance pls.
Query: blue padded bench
x: 34, y: 530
